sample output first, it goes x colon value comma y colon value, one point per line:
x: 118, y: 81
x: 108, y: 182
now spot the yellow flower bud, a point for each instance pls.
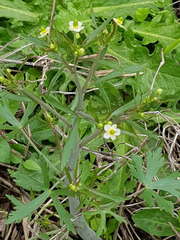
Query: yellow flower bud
x: 100, y: 125
x: 77, y: 35
x: 73, y: 187
x: 154, y: 98
x: 52, y: 46
x: 159, y: 91
x: 80, y: 52
x: 142, y: 114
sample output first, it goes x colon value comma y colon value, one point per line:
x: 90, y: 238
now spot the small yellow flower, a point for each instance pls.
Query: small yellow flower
x: 118, y: 21
x: 75, y: 26
x: 111, y: 131
x: 44, y: 32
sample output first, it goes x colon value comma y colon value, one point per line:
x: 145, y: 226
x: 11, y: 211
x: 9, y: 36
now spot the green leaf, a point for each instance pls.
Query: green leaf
x: 169, y: 184
x: 168, y: 77
x: 114, y: 198
x: 141, y: 14
x: 155, y: 222
x: 119, y: 218
x: 126, y: 7
x: 31, y: 165
x: 25, y: 210
x: 172, y: 46
x: 154, y: 163
x: 29, y: 180
x: 62, y: 212
x: 130, y: 105
x: 70, y: 150
x: 4, y: 151
x: 152, y: 32
x: 153, y: 199
x: 93, y: 35
x: 16, y: 9
x: 6, y: 113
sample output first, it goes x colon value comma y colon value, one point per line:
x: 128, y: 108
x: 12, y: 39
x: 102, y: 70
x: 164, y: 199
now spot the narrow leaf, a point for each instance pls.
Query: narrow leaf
x: 63, y: 214
x: 25, y: 210
x: 71, y: 147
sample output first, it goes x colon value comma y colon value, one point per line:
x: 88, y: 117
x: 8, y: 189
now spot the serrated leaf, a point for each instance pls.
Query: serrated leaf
x: 153, y: 199
x: 29, y: 180
x: 155, y: 222
x: 25, y: 210
x: 154, y: 163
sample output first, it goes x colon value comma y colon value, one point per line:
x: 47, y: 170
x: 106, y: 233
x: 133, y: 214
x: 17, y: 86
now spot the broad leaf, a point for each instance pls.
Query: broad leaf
x: 16, y: 9
x: 155, y: 222
x: 119, y: 7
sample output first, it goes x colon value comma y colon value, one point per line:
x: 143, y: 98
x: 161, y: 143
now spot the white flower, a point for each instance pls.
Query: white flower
x: 75, y: 26
x: 111, y: 131
x: 44, y: 32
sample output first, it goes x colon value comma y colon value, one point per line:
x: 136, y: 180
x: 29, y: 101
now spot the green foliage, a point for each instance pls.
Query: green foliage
x: 16, y: 9
x: 154, y: 162
x: 65, y: 217
x: 24, y: 210
x: 155, y: 222
x: 4, y: 151
x: 57, y: 93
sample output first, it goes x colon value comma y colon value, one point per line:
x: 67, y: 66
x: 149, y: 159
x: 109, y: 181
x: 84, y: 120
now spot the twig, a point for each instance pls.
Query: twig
x: 45, y: 106
x: 52, y: 17
x: 8, y: 43
x: 160, y: 65
x: 15, y: 51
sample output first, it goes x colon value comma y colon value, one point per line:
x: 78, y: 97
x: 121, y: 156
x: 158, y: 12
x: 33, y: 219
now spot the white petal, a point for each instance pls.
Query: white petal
x: 107, y: 127
x: 113, y: 137
x: 106, y: 135
x: 114, y: 126
x: 117, y: 133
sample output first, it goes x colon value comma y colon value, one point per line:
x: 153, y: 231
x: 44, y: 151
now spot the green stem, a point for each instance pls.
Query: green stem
x: 45, y: 106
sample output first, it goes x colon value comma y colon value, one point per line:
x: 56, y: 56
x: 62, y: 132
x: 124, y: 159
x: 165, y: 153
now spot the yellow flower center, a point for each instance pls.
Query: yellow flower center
x: 119, y: 20
x: 111, y: 131
x: 75, y: 25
